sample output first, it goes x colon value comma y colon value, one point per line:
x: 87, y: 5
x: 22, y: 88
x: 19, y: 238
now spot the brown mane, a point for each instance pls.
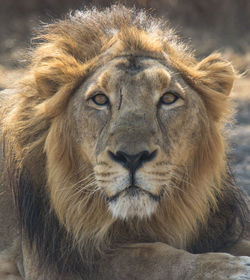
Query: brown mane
x: 38, y: 118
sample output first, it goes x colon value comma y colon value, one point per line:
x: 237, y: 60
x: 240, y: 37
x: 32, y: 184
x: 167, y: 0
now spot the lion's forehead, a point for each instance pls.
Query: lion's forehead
x: 134, y: 72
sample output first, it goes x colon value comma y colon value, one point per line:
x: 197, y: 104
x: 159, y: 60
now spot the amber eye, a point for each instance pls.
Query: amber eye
x: 100, y: 99
x: 168, y: 98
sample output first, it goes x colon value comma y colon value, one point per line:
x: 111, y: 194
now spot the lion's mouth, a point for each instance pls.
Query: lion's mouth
x: 134, y: 191
x: 132, y: 202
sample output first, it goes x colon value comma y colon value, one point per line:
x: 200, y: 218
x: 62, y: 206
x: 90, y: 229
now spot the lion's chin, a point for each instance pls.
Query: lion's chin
x: 128, y: 206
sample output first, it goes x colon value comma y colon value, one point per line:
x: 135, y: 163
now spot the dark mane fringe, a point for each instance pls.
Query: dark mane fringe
x: 41, y: 230
x: 230, y: 222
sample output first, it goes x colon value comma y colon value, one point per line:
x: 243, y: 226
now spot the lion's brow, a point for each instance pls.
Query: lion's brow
x: 104, y: 80
x: 164, y: 78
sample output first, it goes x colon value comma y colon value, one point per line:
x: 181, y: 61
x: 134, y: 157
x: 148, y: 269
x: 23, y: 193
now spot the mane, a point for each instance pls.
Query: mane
x: 38, y: 118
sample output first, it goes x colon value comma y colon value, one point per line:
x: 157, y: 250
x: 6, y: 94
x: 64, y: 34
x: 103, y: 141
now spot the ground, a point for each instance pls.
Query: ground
x: 240, y: 134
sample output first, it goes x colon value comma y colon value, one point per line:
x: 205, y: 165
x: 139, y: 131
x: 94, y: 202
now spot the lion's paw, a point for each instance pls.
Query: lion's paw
x: 223, y: 267
x: 243, y: 265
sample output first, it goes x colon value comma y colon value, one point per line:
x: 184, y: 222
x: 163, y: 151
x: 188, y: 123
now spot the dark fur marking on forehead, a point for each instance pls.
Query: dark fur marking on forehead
x: 129, y: 67
x: 132, y: 64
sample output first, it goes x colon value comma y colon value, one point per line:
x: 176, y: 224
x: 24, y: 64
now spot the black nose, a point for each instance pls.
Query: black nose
x: 132, y: 162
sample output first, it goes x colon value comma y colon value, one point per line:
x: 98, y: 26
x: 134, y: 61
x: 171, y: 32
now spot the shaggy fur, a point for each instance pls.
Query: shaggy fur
x: 41, y: 146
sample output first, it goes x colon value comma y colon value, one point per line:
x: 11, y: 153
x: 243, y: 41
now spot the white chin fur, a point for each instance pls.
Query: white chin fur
x: 125, y: 206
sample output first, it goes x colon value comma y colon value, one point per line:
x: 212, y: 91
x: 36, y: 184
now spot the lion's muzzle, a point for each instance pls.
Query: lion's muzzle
x: 127, y: 194
x: 132, y: 162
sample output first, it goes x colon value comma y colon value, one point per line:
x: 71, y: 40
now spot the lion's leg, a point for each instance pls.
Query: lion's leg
x: 153, y: 261
x: 157, y: 261
x: 241, y: 248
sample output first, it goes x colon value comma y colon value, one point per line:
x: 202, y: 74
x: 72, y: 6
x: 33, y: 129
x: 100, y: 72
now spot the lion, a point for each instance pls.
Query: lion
x: 114, y: 157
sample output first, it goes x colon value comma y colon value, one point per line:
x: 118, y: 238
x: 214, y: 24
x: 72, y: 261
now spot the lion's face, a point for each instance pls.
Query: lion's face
x: 133, y: 118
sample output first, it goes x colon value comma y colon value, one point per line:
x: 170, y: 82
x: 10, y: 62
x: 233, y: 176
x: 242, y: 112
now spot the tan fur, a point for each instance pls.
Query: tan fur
x: 48, y: 133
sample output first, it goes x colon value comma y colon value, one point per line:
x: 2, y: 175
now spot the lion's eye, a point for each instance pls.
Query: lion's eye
x: 168, y: 98
x: 100, y: 99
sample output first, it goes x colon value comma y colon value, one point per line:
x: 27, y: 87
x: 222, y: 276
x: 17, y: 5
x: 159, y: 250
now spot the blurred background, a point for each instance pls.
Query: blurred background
x: 206, y: 25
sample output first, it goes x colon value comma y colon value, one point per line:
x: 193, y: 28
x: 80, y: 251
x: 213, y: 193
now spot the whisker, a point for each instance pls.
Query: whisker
x: 173, y: 187
x: 90, y: 178
x: 80, y: 182
x: 86, y: 188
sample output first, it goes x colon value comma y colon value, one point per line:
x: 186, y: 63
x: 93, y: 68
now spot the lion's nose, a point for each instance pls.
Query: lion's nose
x: 132, y: 162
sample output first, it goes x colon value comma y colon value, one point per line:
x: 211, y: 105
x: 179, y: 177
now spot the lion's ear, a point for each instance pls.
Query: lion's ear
x: 46, y: 85
x: 216, y: 74
x: 52, y: 73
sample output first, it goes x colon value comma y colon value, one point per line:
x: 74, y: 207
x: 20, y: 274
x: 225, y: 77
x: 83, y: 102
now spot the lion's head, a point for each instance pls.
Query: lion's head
x: 121, y: 130
x: 144, y: 126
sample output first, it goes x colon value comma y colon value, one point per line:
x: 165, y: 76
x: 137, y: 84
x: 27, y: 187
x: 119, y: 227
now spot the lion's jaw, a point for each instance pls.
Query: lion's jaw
x: 125, y: 200
x: 129, y: 206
